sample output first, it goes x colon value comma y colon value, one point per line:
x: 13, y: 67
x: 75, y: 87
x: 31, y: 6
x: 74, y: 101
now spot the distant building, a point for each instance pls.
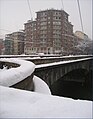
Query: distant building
x: 14, y: 43
x: 8, y: 43
x: 81, y: 35
x: 48, y: 33
x: 1, y: 46
x: 18, y: 42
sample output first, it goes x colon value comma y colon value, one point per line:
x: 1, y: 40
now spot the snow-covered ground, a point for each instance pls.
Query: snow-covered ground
x: 2, y: 70
x: 15, y: 103
x: 15, y: 75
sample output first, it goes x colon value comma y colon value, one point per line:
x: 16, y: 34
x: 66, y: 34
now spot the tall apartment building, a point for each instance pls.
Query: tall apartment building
x: 48, y: 33
x: 14, y: 43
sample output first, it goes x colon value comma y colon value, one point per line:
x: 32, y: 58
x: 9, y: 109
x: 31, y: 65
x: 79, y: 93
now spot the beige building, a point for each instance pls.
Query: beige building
x: 48, y: 32
x: 81, y: 35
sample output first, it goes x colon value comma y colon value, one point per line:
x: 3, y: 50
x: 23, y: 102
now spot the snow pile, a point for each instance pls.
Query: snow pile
x: 4, y: 68
x: 15, y: 103
x: 41, y: 86
x: 14, y: 75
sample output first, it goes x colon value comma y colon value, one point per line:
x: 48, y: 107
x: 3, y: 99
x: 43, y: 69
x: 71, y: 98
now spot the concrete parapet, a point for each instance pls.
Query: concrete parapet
x: 17, y: 74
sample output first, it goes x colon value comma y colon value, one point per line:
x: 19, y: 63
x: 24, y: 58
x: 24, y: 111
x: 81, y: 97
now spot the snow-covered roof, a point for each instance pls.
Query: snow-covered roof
x: 14, y: 75
x: 15, y: 103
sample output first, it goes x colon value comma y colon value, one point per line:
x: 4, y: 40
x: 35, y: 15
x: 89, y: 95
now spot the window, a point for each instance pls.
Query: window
x: 48, y: 17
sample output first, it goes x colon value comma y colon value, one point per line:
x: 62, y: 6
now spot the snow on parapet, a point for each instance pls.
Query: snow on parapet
x: 14, y: 75
x: 41, y: 86
x: 61, y: 62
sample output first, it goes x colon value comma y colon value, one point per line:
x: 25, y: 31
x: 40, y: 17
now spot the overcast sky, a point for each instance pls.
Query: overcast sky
x: 14, y: 13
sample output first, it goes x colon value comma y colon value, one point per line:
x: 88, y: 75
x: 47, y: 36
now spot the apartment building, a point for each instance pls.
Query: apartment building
x: 48, y: 33
x: 14, y: 43
x: 30, y: 37
x: 18, y: 42
x: 8, y: 44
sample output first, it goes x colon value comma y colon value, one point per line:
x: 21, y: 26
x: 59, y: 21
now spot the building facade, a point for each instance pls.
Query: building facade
x: 14, y: 43
x: 30, y: 37
x: 8, y: 43
x: 18, y: 42
x: 48, y: 33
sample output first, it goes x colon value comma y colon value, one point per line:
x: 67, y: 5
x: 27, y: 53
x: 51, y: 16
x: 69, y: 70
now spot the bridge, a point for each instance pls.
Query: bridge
x: 55, y: 69
x: 50, y: 73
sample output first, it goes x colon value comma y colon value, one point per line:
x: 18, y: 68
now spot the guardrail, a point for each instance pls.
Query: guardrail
x: 46, y: 60
x: 42, y: 56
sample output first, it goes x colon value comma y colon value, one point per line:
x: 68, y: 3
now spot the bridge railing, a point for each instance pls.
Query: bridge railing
x: 45, y: 60
x: 42, y: 56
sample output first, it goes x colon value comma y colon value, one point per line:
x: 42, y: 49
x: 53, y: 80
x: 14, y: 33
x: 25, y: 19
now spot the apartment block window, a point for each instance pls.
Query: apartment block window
x: 43, y: 14
x: 43, y: 27
x: 56, y: 17
x: 48, y: 17
x: 43, y: 23
x: 56, y: 23
x: 48, y: 22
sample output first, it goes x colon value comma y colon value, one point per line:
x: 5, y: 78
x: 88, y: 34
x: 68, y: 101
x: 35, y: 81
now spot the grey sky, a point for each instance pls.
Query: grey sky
x: 14, y: 13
